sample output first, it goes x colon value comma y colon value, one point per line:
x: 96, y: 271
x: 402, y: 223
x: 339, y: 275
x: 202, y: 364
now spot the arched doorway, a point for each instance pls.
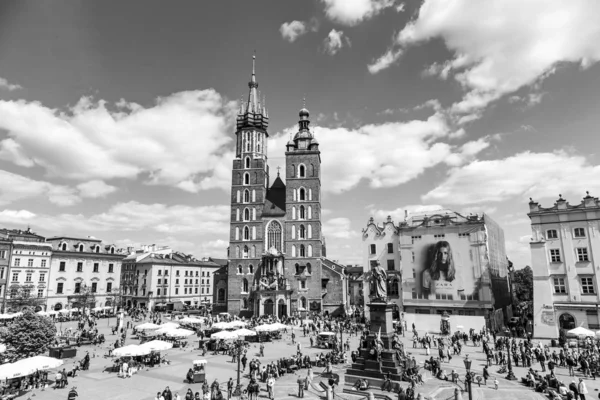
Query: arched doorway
x: 268, y: 307
x: 566, y: 321
x: 281, y: 308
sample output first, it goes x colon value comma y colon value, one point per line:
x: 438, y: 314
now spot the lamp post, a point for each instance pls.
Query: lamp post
x: 238, y: 351
x: 341, y: 339
x: 511, y: 376
x: 468, y: 377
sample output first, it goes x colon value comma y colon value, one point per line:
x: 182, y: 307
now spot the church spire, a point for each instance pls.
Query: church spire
x: 253, y: 106
x: 253, y: 113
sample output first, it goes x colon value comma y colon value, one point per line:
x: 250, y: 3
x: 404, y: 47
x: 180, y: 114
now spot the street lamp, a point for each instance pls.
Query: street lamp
x: 341, y: 339
x: 468, y: 378
x: 239, y: 345
x: 511, y: 376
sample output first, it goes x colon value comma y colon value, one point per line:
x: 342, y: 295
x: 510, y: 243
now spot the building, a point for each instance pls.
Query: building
x: 83, y: 270
x: 158, y: 275
x: 209, y: 267
x: 220, y: 278
x: 5, y: 253
x: 355, y: 279
x: 28, y: 271
x: 442, y: 262
x: 276, y: 244
x: 564, y: 245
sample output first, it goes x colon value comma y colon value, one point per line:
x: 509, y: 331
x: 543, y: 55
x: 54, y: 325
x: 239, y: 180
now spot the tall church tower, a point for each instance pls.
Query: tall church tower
x: 304, y: 240
x: 250, y: 180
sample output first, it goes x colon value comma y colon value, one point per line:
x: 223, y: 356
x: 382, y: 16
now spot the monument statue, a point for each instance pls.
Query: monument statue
x: 378, y: 281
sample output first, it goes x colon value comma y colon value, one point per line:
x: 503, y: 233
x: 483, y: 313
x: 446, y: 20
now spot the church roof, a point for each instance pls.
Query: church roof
x: 275, y: 201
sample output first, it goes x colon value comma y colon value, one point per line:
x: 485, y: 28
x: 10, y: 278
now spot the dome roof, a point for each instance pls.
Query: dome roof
x: 304, y: 112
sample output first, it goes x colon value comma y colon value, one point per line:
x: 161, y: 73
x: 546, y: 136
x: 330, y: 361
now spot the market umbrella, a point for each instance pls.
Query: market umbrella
x: 244, y: 332
x: 42, y: 313
x: 190, y: 320
x: 279, y: 326
x: 28, y: 366
x: 222, y: 325
x: 265, y: 328
x: 147, y: 326
x: 179, y: 333
x: 225, y: 335
x: 130, y: 351
x: 581, y: 331
x: 237, y: 323
x: 169, y: 325
x: 157, y: 345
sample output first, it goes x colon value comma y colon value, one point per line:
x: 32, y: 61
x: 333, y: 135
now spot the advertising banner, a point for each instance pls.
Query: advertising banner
x: 446, y: 266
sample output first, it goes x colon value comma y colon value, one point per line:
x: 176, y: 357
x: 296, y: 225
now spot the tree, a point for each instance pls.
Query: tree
x: 22, y: 297
x: 84, y: 299
x: 523, y: 284
x: 116, y: 297
x: 29, y: 335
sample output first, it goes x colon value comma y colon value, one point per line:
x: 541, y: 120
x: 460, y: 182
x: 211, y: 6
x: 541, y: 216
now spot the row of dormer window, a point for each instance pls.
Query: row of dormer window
x: 81, y: 248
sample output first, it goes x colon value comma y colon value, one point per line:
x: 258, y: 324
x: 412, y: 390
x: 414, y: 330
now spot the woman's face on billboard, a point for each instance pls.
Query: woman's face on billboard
x: 443, y: 254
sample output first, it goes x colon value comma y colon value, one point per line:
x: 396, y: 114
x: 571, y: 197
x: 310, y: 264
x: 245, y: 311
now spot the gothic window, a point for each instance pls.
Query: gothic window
x: 253, y: 195
x: 237, y: 233
x: 237, y: 251
x: 274, y: 235
x: 309, y: 212
x: 293, y: 231
x: 302, y: 232
x: 297, y: 269
x: 253, y: 233
x: 238, y: 197
x: 301, y: 171
x: 256, y: 178
x: 312, y: 170
x: 250, y: 269
x: 258, y: 148
x: 246, y: 233
x: 254, y: 214
x: 245, y: 251
x: 246, y: 178
x: 221, y: 295
x: 293, y: 171
x: 246, y: 196
x: 308, y: 266
x: 309, y: 194
x: 310, y: 231
x: 240, y: 269
x: 246, y: 214
x: 310, y: 253
x: 294, y: 194
x: 237, y: 214
x: 293, y: 212
x: 293, y: 250
x: 245, y: 285
x: 248, y: 145
x: 302, y: 194
x: 253, y: 252
x: 302, y: 251
x: 247, y: 162
x: 302, y: 213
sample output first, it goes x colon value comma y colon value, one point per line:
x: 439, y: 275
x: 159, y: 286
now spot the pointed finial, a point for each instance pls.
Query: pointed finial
x: 304, y: 101
x: 278, y: 168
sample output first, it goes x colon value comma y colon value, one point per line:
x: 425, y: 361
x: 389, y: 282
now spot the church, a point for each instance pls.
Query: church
x: 276, y: 254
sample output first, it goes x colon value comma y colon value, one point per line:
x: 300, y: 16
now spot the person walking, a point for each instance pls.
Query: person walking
x: 486, y: 375
x: 270, y: 385
x: 229, y: 388
x: 582, y: 389
x: 496, y: 383
x: 301, y: 383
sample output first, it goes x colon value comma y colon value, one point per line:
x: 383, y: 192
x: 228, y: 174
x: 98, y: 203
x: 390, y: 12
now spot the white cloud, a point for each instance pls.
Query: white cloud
x: 334, y: 42
x: 4, y: 84
x: 180, y: 141
x: 524, y: 175
x: 129, y: 217
x: 17, y: 187
x: 95, y: 189
x: 379, y: 159
x: 385, y: 61
x: 291, y: 31
x: 352, y: 12
x: 500, y: 47
x: 339, y: 228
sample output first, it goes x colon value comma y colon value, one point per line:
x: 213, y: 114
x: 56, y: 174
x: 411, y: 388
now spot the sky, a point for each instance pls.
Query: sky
x: 117, y: 120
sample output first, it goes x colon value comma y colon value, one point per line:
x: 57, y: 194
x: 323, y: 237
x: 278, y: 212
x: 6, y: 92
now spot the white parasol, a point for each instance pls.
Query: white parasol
x: 42, y: 313
x: 244, y: 332
x: 237, y: 323
x: 279, y: 326
x: 178, y: 333
x: 169, y: 325
x: 265, y: 328
x: 581, y: 331
x: 147, y: 326
x: 222, y: 325
x: 225, y: 335
x: 28, y: 366
x: 157, y: 345
x: 131, y: 351
x: 199, y: 362
x: 190, y: 320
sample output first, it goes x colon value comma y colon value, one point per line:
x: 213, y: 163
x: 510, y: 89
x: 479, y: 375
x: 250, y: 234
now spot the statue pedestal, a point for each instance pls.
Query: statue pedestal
x: 367, y: 366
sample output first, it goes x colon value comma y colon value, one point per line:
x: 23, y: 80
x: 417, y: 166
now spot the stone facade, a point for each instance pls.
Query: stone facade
x: 276, y: 244
x: 5, y: 255
x: 79, y: 262
x: 565, y: 241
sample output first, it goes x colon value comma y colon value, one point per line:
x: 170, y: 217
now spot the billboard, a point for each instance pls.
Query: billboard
x: 448, y: 266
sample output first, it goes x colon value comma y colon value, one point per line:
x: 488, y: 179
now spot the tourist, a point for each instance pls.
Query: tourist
x: 159, y: 396
x: 229, y: 388
x: 496, y: 383
x: 167, y: 394
x: 270, y: 385
x: 189, y: 395
x: 582, y: 389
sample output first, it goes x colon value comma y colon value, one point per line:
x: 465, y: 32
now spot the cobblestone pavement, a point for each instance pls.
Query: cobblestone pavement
x: 96, y: 383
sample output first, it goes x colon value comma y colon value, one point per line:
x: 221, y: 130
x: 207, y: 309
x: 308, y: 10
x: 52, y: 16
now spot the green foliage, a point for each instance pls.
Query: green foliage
x: 523, y: 284
x: 23, y: 296
x: 29, y: 335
